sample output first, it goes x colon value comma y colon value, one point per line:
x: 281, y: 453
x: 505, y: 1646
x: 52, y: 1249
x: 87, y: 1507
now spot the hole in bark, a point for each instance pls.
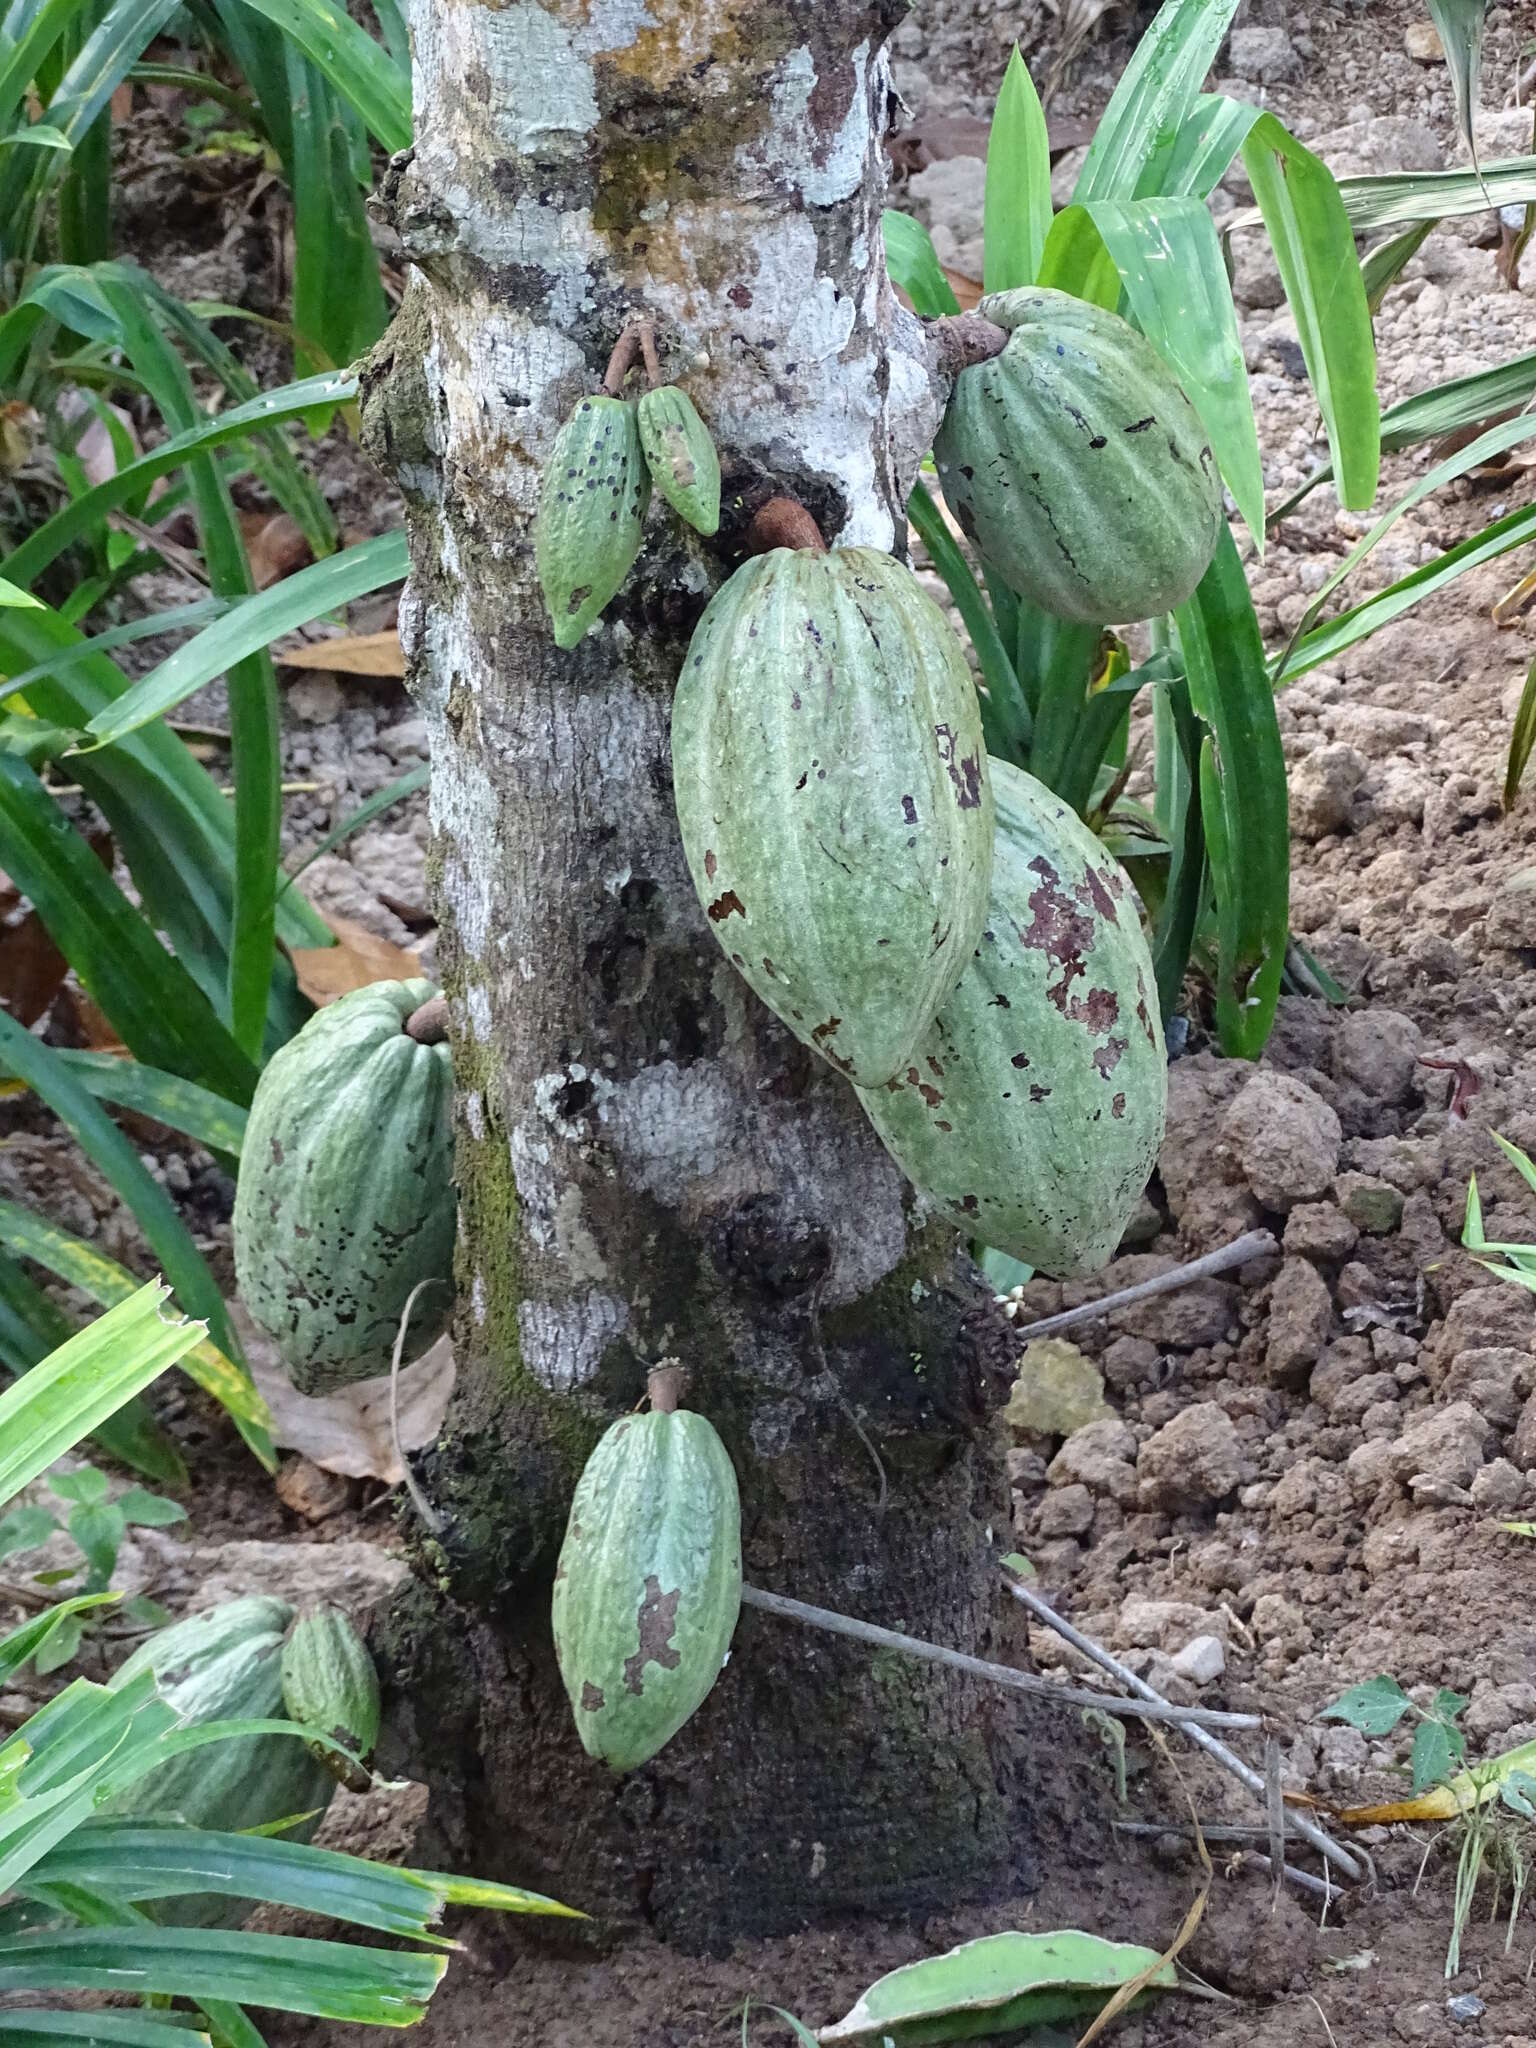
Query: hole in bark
x: 573, y: 1098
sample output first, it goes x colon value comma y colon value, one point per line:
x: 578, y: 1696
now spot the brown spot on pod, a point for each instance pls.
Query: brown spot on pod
x: 656, y: 1618
x: 1117, y: 1107
x: 723, y: 906
x: 592, y: 1699
x: 1107, y: 1056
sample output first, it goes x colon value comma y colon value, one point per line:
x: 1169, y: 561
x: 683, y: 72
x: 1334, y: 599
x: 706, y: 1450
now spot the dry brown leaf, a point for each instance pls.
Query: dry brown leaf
x: 32, y: 969
x: 309, y: 1490
x: 967, y: 290
x: 275, y: 545
x: 81, y: 1024
x: 355, y: 654
x: 348, y: 1431
x: 356, y: 960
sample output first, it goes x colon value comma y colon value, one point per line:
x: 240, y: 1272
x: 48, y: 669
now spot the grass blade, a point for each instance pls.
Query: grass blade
x: 180, y: 1105
x: 364, y: 74
x: 151, y: 1000
x: 1315, y: 250
x: 1388, y: 260
x: 1182, y: 824
x: 1156, y: 94
x: 296, y: 601
x: 1394, y: 198
x: 1004, y: 714
x: 1168, y: 254
x: 1521, y: 739
x: 81, y: 1265
x: 1460, y: 23
x: 45, y: 1413
x: 914, y: 265
x: 1243, y: 797
x: 1197, y: 158
x: 1076, y: 260
x: 1016, y: 215
x: 381, y: 800
x: 339, y: 308
x: 102, y: 2030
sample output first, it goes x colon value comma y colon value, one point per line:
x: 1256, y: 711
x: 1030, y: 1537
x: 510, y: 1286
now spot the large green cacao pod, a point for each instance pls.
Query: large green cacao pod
x: 225, y: 1665
x: 680, y: 456
x: 345, y: 1198
x: 592, y: 504
x: 648, y: 1585
x: 1077, y: 465
x: 1032, y: 1112
x: 330, y: 1684
x: 831, y: 785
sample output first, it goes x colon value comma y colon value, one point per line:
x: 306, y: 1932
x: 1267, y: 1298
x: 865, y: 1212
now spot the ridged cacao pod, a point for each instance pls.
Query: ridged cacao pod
x: 345, y: 1199
x: 648, y: 1585
x: 329, y: 1683
x: 592, y: 505
x: 224, y: 1665
x: 1077, y: 465
x: 1032, y: 1112
x: 831, y: 785
x: 680, y: 456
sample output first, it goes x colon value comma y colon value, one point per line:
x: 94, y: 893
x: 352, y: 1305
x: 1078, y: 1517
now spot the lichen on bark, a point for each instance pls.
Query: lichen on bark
x: 649, y: 1165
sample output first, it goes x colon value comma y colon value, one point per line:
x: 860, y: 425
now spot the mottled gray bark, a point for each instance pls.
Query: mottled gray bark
x: 649, y: 1165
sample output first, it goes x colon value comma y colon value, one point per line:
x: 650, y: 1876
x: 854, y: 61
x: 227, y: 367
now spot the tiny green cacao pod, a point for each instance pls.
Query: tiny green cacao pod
x: 831, y: 786
x: 345, y: 1200
x: 329, y: 1683
x: 1076, y: 464
x: 1032, y: 1112
x: 592, y: 505
x: 681, y: 456
x: 648, y: 1583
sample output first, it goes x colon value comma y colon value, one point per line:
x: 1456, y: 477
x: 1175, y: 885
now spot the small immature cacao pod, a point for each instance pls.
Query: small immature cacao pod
x: 681, y: 456
x: 592, y: 505
x: 330, y: 1684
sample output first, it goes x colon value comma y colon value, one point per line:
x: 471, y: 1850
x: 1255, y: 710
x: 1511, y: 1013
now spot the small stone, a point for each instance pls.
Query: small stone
x: 1381, y: 143
x: 1464, y: 2007
x: 1378, y: 1050
x: 1191, y: 1462
x: 1057, y: 1391
x: 1265, y: 54
x: 1148, y: 1624
x: 1275, y: 1614
x: 1374, y: 1206
x: 1202, y: 1660
x: 1300, y: 1319
x: 1322, y: 790
x: 1099, y: 1456
x: 1317, y: 1230
x: 1065, y: 1511
x: 1443, y: 1446
x: 1522, y: 1445
x: 315, y: 699
x: 1026, y: 1471
x: 406, y: 741
x: 1421, y: 39
x: 1497, y: 1379
x: 1131, y: 1362
x: 1285, y: 1138
x: 1498, y: 1487
x: 1511, y: 920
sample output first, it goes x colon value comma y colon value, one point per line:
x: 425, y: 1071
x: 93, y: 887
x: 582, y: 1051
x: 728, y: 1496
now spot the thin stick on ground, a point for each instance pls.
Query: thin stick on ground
x: 1241, y: 1838
x: 977, y: 1667
x: 1252, y: 1245
x: 1339, y: 1857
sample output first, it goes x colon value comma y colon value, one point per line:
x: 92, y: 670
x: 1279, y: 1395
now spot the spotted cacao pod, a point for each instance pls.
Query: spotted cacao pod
x: 592, y: 506
x: 680, y: 456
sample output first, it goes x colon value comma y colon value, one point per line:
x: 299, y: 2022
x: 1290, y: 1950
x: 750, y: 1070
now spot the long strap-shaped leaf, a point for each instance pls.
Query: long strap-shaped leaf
x: 110, y: 2029
x: 365, y: 75
x: 1156, y: 94
x: 1017, y: 207
x: 156, y: 1007
x: 294, y: 602
x: 180, y: 1105
x: 1243, y: 793
x: 1004, y: 714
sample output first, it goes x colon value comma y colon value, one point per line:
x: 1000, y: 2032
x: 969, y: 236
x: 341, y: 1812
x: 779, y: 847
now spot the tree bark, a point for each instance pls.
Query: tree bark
x: 648, y: 1164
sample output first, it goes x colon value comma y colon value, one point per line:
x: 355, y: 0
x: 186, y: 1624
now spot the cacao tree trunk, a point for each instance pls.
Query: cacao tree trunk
x: 649, y: 1165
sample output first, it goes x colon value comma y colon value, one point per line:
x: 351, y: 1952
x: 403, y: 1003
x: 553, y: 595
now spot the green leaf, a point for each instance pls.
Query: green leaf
x: 1397, y: 197
x: 1004, y: 714
x: 339, y: 307
x: 59, y: 1645
x: 1168, y: 255
x: 1076, y: 260
x: 910, y: 258
x: 1243, y: 798
x: 1002, y: 1271
x: 1158, y: 91
x: 294, y: 602
x: 1181, y: 820
x: 1327, y: 642
x: 46, y: 1413
x: 372, y: 1986
x: 1196, y: 159
x: 1521, y: 739
x: 24, y: 1529
x: 150, y: 998
x: 102, y: 2029
x: 39, y: 135
x: 365, y: 75
x: 98, y: 1529
x: 1017, y: 207
x: 381, y: 800
x: 21, y: 1643
x: 10, y: 594
x: 84, y: 1266
x: 1460, y: 23
x: 1315, y: 250
x: 180, y: 1105
x: 999, y: 1984
x: 149, y: 1510
x: 1431, y: 1758
x: 85, y: 1485
x: 1386, y: 264
x: 1375, y: 1707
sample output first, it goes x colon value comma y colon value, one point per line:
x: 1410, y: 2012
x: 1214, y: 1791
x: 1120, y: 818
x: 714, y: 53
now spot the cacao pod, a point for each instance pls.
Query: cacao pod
x: 329, y: 1683
x: 1032, y: 1111
x: 592, y: 504
x: 345, y: 1199
x: 832, y: 790
x: 681, y: 456
x: 1077, y: 465
x: 648, y: 1585
x: 225, y: 1665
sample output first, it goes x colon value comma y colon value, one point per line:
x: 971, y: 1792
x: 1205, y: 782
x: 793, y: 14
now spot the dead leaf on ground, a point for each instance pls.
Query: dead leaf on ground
x: 357, y: 960
x: 32, y: 969
x: 348, y: 1432
x: 938, y: 137
x: 355, y: 654
x: 83, y: 1025
x: 309, y: 1490
x: 275, y: 546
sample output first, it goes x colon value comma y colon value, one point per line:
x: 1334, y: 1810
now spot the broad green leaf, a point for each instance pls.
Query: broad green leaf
x: 60, y: 1644
x: 47, y: 1412
x: 1460, y: 23
x: 294, y: 602
x: 365, y: 75
x: 1394, y: 198
x: 147, y: 1510
x: 181, y: 1105
x: 1521, y: 739
x: 1157, y: 92
x: 1326, y: 642
x: 910, y: 258
x: 1196, y: 159
x: 1179, y: 815
x: 1243, y: 798
x: 1374, y: 1707
x: 1431, y: 1758
x: 1076, y: 260
x: 83, y: 1265
x: 1017, y: 207
x: 25, y: 1528
x: 11, y: 594
x: 84, y: 1484
x: 147, y: 994
x: 1004, y: 714
x: 999, y: 1984
x: 1168, y: 254
x: 1315, y: 250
